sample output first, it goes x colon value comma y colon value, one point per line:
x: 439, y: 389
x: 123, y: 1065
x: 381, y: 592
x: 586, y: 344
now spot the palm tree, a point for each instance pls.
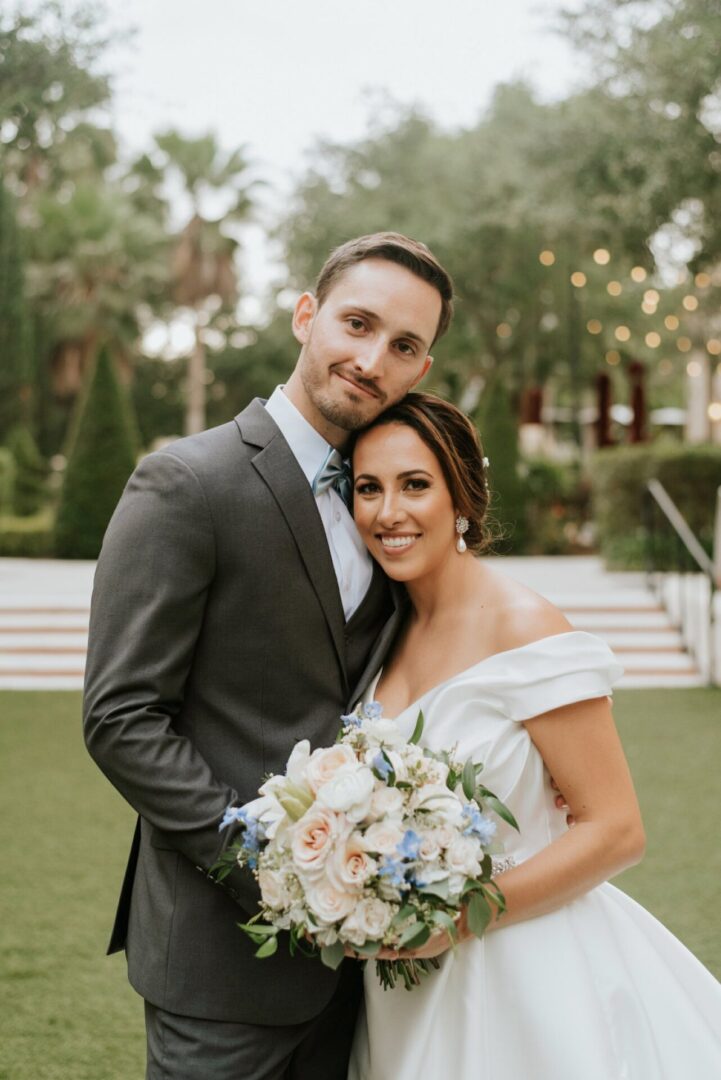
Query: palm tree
x: 203, y: 267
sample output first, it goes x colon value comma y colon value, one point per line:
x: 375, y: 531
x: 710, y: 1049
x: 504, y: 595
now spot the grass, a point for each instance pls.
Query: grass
x: 69, y: 1012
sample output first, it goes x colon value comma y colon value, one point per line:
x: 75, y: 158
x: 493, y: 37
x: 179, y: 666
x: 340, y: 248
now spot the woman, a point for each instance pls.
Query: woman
x: 574, y: 981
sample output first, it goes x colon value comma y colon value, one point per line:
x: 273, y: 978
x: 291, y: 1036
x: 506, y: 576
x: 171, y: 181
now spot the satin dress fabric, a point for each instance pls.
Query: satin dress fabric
x: 596, y: 990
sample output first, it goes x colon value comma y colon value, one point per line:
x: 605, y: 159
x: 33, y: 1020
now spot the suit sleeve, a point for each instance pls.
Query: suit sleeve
x: 152, y: 579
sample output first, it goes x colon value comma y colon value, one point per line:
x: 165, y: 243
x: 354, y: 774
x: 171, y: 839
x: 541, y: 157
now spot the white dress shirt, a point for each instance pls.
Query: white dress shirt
x: 352, y: 563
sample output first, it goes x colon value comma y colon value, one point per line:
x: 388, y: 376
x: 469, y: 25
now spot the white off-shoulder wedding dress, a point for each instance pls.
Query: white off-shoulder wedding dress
x: 597, y: 990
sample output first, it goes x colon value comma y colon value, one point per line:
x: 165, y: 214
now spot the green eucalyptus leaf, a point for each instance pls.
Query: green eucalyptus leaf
x: 369, y: 949
x: 418, y: 729
x: 468, y: 779
x: 414, y: 936
x: 502, y: 810
x: 332, y: 955
x: 443, y: 919
x: 269, y: 946
x: 405, y: 913
x: 479, y: 914
x: 436, y: 888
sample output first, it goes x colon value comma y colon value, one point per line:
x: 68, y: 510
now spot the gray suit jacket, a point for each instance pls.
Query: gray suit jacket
x: 217, y: 640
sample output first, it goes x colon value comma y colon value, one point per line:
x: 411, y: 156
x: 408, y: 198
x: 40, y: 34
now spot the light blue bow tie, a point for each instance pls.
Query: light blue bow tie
x: 334, y: 472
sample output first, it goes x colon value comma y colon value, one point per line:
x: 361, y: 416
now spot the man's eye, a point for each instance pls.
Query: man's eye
x: 356, y: 324
x: 406, y: 348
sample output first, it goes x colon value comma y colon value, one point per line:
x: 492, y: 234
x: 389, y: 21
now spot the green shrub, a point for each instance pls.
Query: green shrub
x: 691, y: 476
x: 557, y: 507
x: 499, y: 434
x: 26, y: 537
x: 7, y: 480
x: 30, y: 472
x: 101, y: 458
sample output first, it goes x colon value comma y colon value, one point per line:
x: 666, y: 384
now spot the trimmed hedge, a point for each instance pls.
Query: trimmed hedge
x: 27, y: 537
x: 690, y: 475
x: 7, y: 481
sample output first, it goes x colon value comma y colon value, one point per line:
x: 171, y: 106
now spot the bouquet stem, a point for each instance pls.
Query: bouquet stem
x: 410, y: 971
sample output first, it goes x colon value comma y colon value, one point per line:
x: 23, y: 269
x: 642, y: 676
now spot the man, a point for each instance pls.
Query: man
x: 235, y: 611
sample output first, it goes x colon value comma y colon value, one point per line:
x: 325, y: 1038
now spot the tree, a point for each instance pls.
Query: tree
x: 203, y: 268
x: 15, y: 350
x: 100, y: 460
x: 30, y: 471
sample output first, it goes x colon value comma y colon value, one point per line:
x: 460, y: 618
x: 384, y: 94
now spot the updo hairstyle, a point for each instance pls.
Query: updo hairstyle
x: 454, y: 441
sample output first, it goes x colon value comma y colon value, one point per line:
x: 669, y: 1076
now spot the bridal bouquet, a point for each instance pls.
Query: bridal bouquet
x: 374, y: 842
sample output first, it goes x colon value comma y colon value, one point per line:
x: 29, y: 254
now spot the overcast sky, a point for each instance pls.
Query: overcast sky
x: 274, y: 75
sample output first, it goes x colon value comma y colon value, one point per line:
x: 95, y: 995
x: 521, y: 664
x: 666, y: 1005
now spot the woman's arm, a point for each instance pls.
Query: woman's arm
x: 581, y: 749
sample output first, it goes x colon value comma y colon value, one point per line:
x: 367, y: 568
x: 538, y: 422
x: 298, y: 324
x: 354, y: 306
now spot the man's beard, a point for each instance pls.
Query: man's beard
x: 343, y: 415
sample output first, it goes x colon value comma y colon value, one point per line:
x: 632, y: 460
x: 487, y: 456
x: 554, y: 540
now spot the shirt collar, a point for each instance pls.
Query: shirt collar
x: 308, y: 446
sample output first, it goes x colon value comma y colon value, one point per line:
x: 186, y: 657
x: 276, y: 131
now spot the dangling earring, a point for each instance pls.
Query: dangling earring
x: 461, y: 528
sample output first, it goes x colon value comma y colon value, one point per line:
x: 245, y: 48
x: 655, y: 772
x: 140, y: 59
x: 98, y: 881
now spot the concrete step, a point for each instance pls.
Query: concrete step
x: 669, y: 680
x: 617, y: 622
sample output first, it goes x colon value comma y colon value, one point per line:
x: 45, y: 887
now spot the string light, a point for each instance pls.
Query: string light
x: 615, y: 288
x: 504, y: 330
x: 702, y: 280
x: 601, y: 256
x: 547, y: 257
x: 683, y: 344
x: 693, y: 368
x: 578, y: 278
x: 651, y: 296
x: 653, y: 340
x: 613, y: 357
x: 622, y: 333
x: 690, y: 303
x: 714, y: 411
x: 671, y: 322
x: 648, y: 309
x: 594, y: 326
x: 714, y: 346
x: 638, y: 274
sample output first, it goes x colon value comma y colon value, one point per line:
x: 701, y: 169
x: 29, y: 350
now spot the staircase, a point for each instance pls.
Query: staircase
x: 44, y: 608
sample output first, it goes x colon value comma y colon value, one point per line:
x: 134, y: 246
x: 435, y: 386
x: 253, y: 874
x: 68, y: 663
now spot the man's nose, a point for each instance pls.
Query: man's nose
x: 370, y: 358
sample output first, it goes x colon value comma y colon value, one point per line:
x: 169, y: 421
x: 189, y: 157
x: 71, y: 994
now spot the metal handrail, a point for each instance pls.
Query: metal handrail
x: 678, y: 522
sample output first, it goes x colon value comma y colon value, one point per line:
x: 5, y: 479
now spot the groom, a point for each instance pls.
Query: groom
x: 236, y: 611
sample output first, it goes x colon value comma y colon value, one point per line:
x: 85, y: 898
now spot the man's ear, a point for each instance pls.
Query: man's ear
x: 303, y: 315
x: 424, y: 370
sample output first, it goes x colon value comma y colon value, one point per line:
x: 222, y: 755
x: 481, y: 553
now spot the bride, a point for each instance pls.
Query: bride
x: 574, y: 981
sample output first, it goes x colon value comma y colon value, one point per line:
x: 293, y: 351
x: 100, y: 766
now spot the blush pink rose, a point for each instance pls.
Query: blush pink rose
x: 314, y: 836
x: 324, y: 764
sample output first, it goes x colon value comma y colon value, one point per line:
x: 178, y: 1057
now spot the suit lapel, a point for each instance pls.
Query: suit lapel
x: 384, y: 640
x: 278, y: 467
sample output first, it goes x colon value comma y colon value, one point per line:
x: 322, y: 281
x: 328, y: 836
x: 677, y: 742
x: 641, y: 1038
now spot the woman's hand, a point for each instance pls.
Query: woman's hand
x: 438, y: 943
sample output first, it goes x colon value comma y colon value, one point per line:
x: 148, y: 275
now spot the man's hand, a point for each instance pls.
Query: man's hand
x: 562, y: 804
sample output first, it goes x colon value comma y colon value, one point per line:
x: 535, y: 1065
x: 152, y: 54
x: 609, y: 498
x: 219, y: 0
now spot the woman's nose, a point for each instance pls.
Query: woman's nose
x: 391, y: 511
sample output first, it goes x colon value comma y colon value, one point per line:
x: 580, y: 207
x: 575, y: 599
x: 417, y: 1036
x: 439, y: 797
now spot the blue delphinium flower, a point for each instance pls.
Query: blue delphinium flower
x: 410, y: 846
x: 478, y: 825
x: 373, y: 710
x: 394, y: 870
x: 381, y: 766
x: 351, y: 720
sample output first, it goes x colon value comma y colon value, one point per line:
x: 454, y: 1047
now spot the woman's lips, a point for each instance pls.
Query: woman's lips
x: 397, y: 543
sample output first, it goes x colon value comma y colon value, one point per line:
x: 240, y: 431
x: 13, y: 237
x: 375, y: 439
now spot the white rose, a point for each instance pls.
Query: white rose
x: 314, y: 836
x: 349, y: 866
x: 445, y: 835
x: 440, y: 800
x: 328, y: 904
x: 385, y: 733
x: 386, y: 802
x: 298, y: 761
x: 383, y: 836
x: 463, y: 856
x: 324, y: 764
x: 349, y: 792
x: 430, y: 847
x: 368, y: 922
x: 273, y: 889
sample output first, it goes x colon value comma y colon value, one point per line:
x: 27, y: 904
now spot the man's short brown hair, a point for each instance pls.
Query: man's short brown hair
x: 394, y: 247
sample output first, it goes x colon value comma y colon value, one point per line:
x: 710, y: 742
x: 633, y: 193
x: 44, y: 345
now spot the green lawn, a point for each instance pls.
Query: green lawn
x: 68, y: 1012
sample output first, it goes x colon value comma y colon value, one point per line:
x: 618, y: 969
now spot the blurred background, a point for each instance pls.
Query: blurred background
x: 174, y: 174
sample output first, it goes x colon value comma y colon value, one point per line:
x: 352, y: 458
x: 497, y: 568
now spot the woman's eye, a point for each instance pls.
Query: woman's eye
x: 417, y: 485
x: 366, y: 489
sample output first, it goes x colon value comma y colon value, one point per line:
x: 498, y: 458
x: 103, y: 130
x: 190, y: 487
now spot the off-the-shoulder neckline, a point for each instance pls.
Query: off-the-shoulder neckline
x: 479, y: 663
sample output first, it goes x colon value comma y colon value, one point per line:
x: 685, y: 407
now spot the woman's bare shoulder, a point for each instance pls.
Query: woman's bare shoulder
x: 520, y: 615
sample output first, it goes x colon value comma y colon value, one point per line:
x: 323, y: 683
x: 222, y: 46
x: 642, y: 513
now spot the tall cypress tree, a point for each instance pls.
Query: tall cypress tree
x: 15, y: 352
x: 499, y: 434
x: 101, y: 458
